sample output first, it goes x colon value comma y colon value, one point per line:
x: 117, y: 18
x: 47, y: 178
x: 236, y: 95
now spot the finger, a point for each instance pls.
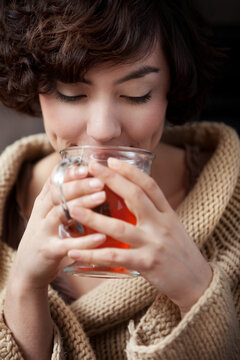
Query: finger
x: 143, y: 180
x: 60, y: 247
x: 78, y: 188
x: 115, y: 228
x: 108, y: 257
x: 134, y: 196
x: 50, y: 195
x: 88, y: 201
x: 74, y: 172
x: 103, y: 256
x: 57, y: 187
x: 75, y: 189
x: 43, y: 202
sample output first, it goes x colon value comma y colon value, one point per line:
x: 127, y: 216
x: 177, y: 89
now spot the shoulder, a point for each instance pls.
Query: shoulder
x: 29, y: 147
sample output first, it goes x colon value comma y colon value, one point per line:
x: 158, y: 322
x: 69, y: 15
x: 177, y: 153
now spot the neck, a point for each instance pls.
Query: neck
x: 169, y: 170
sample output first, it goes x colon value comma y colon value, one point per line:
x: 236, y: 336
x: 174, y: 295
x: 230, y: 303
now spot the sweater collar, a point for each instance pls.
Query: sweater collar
x: 203, y: 207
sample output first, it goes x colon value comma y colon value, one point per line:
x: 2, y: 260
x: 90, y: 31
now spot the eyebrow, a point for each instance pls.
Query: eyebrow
x: 139, y: 73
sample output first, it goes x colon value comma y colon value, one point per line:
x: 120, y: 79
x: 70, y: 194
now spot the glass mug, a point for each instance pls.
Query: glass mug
x: 114, y: 205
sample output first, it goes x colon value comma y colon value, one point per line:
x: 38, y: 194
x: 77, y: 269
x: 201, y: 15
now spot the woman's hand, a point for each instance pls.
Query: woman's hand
x: 161, y: 250
x: 41, y: 251
x: 38, y: 260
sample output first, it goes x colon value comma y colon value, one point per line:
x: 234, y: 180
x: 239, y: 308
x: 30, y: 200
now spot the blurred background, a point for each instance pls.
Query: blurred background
x: 224, y: 101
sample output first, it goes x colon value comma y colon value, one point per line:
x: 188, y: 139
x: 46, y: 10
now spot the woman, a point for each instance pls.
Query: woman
x: 111, y: 73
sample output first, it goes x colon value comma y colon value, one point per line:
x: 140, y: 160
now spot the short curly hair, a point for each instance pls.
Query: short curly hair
x: 42, y: 41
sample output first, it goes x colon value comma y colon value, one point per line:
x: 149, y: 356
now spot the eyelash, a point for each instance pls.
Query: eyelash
x: 65, y: 98
x: 136, y: 100
x: 139, y: 99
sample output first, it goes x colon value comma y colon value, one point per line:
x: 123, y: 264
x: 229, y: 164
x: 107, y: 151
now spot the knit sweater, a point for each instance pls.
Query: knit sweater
x: 130, y: 319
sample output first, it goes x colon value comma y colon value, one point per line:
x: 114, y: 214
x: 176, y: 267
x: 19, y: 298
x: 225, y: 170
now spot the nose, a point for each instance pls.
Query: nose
x: 103, y: 124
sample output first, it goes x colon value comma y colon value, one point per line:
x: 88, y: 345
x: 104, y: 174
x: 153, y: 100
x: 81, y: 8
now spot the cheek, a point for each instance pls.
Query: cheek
x: 60, y: 120
x: 147, y: 124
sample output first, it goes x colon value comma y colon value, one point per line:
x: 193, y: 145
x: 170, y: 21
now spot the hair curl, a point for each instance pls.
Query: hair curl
x: 42, y: 41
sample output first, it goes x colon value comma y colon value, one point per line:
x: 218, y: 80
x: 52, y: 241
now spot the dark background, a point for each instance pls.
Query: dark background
x: 224, y: 102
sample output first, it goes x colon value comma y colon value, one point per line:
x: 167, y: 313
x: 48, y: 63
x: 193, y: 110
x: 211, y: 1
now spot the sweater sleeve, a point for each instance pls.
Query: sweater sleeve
x: 209, y: 331
x: 9, y: 349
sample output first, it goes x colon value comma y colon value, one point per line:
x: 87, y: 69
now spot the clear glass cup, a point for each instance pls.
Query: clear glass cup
x: 114, y: 205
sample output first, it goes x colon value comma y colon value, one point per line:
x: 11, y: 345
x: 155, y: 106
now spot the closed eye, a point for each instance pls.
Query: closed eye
x: 66, y: 98
x: 138, y: 99
x: 133, y: 99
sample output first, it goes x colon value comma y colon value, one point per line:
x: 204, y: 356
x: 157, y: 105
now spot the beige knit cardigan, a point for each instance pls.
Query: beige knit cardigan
x: 129, y: 319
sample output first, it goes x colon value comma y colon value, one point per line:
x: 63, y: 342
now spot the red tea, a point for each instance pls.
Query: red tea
x: 114, y: 207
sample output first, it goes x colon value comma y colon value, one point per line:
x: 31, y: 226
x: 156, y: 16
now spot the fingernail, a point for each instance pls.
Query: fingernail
x: 98, y: 196
x: 82, y: 170
x: 74, y: 254
x: 96, y: 183
x: 96, y: 167
x: 99, y: 237
x: 78, y: 171
x: 114, y: 163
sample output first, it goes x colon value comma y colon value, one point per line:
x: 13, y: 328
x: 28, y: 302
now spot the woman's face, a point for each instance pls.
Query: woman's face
x: 112, y: 105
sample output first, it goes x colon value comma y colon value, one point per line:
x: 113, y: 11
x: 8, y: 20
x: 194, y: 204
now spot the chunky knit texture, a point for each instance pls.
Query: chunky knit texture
x: 129, y: 319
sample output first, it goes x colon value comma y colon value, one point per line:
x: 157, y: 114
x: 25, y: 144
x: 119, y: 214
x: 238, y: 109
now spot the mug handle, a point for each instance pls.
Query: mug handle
x: 58, y: 180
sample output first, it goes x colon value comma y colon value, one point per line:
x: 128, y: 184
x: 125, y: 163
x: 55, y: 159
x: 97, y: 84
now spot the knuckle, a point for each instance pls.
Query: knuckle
x: 167, y: 233
x: 160, y: 250
x: 147, y: 263
x: 57, y: 215
x: 55, y: 200
x: 138, y: 193
x: 44, y: 252
x: 64, y: 248
x: 151, y: 185
x: 148, y: 259
x: 166, y: 229
x: 112, y: 256
x: 60, y: 248
x: 90, y: 258
x: 54, y: 195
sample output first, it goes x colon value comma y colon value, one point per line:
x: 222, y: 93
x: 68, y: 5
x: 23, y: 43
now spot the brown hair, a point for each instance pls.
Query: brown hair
x: 45, y: 41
